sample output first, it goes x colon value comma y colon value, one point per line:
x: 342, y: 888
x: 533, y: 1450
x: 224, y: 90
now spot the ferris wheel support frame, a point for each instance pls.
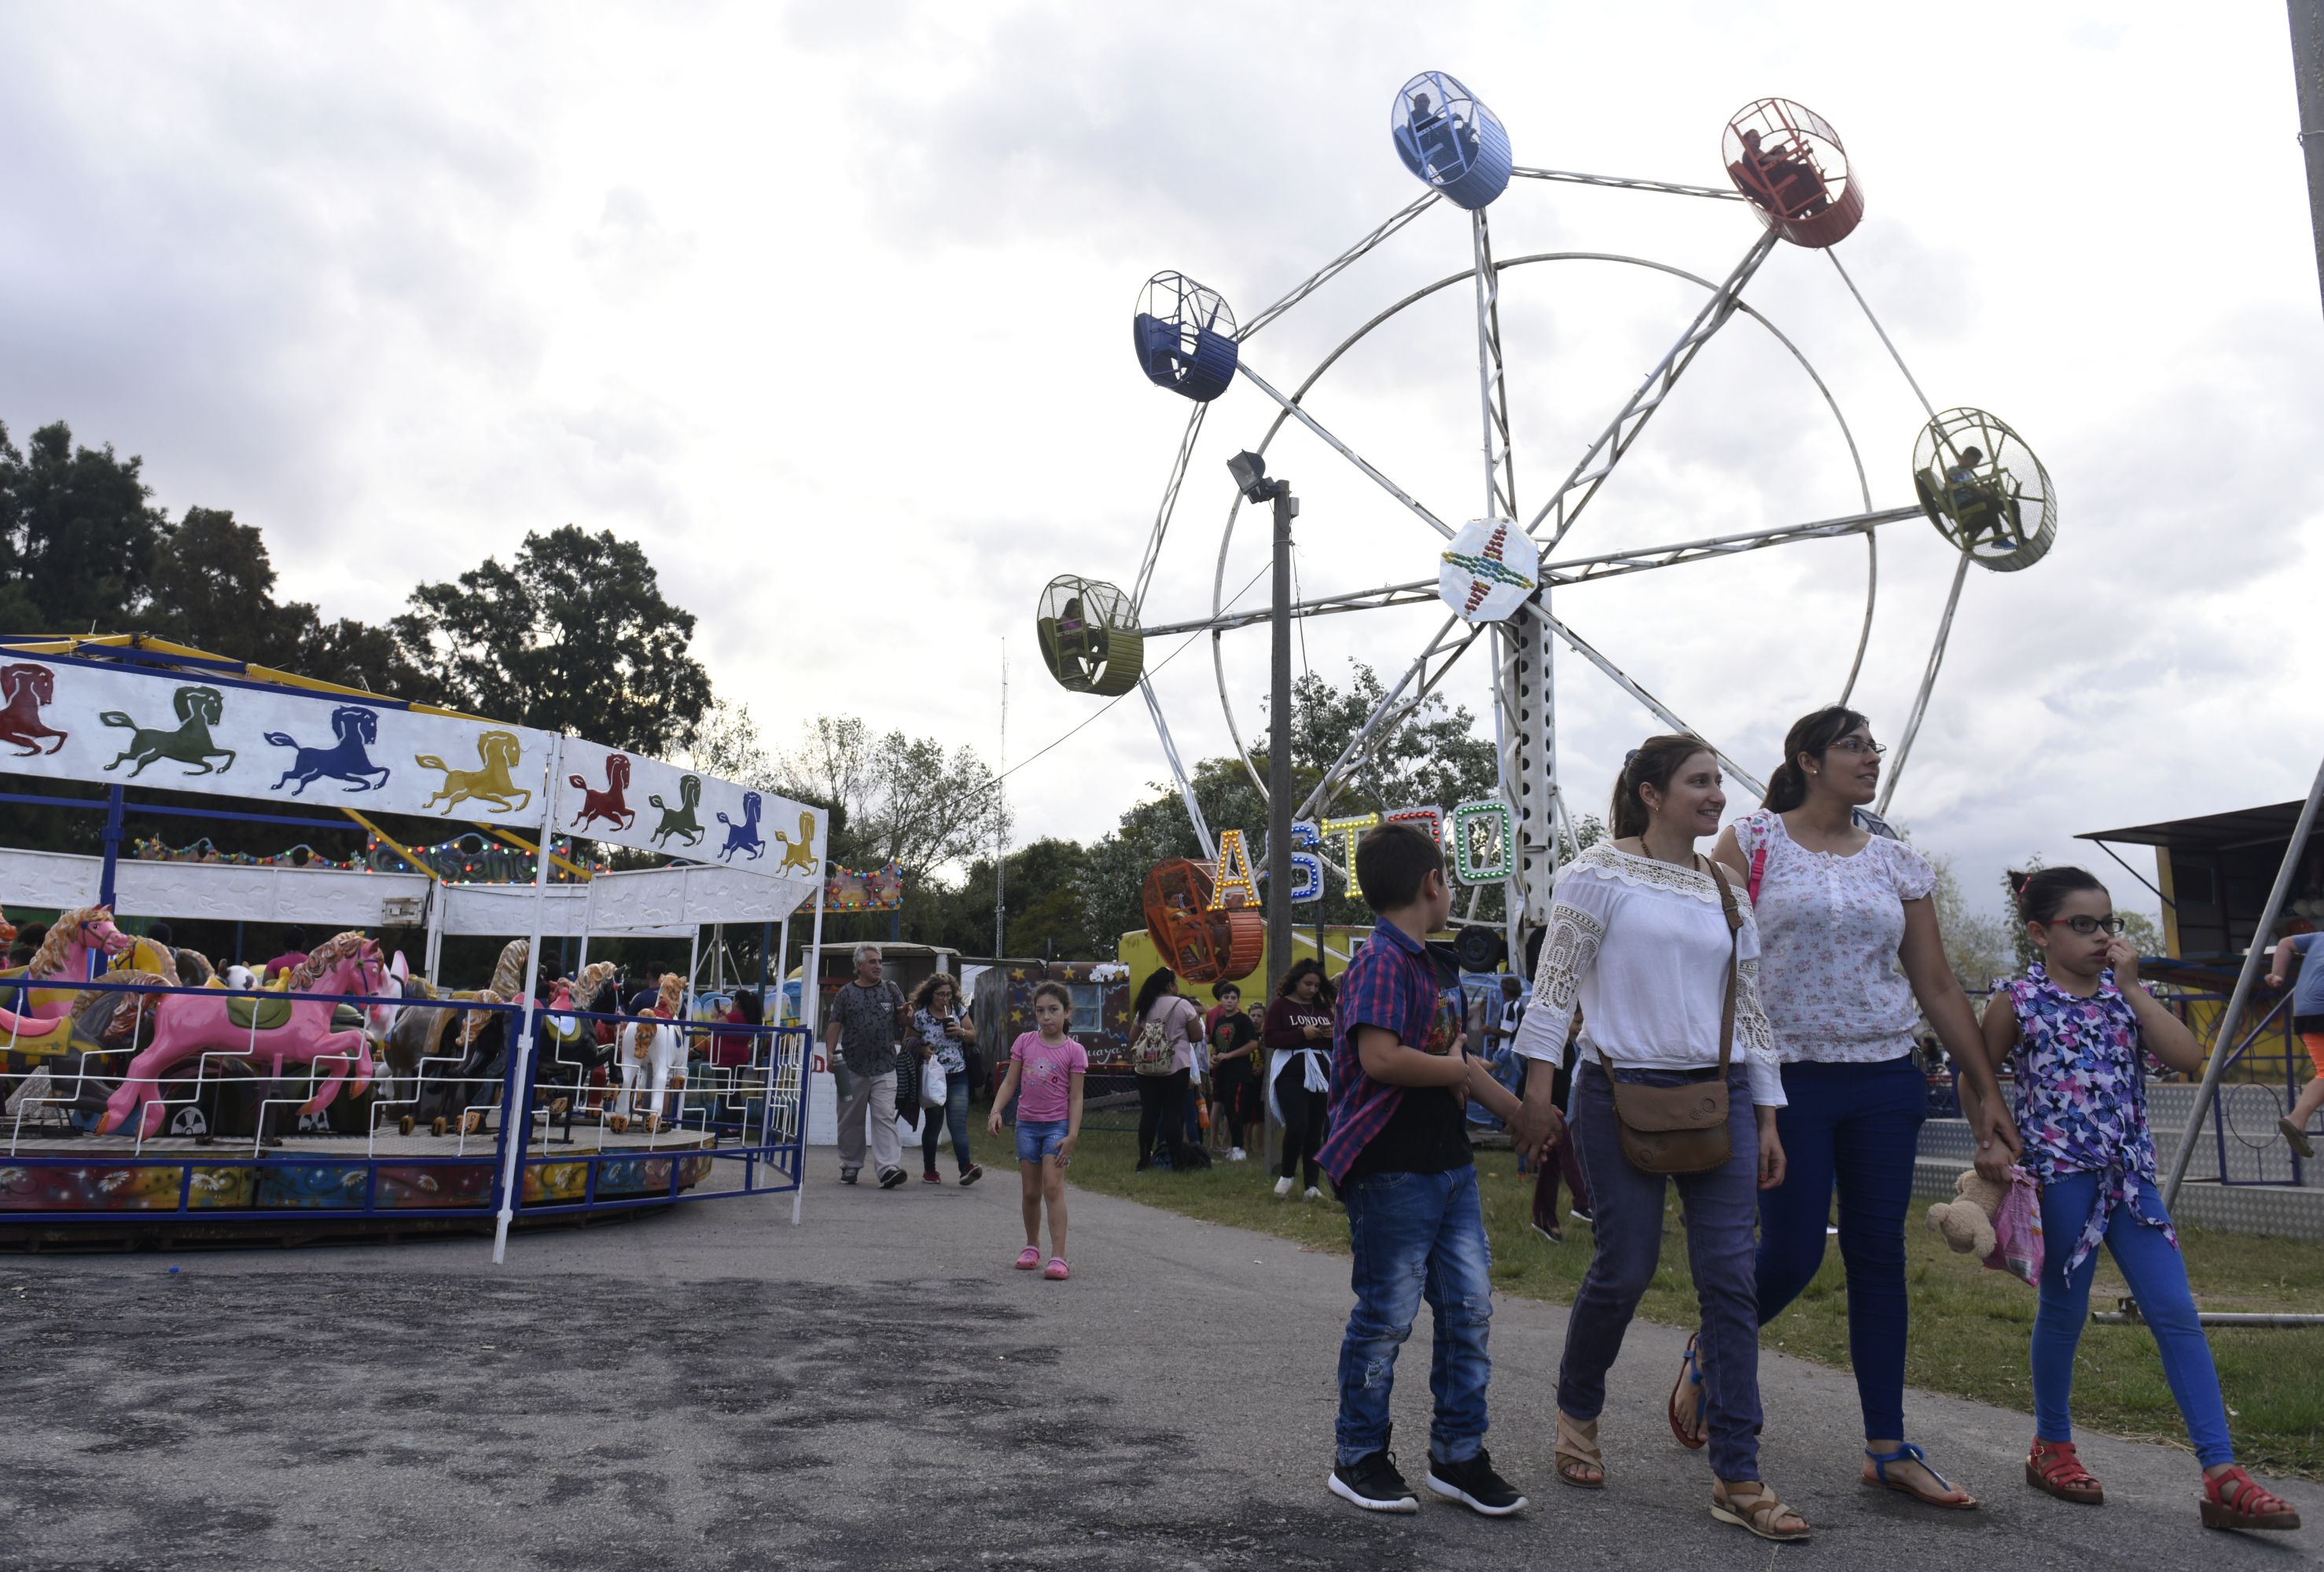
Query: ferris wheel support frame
x: 1524, y: 681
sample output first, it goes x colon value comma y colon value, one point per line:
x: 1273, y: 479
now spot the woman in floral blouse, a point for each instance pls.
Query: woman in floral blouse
x: 1841, y: 905
x: 2073, y: 1027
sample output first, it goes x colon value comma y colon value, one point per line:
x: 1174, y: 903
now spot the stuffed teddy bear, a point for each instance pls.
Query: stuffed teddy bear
x: 1966, y: 1223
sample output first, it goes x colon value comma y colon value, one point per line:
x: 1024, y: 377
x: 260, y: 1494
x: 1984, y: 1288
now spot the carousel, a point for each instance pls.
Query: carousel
x: 151, y: 1096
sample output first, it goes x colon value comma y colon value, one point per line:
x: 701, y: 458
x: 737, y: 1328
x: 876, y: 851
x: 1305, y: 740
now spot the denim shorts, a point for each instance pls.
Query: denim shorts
x: 1037, y: 1139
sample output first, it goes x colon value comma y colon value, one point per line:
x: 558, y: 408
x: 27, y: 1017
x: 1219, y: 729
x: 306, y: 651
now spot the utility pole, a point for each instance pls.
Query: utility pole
x: 2308, y: 78
x: 1250, y: 472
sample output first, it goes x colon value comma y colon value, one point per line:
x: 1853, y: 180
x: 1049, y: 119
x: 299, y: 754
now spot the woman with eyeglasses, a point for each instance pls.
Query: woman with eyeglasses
x: 2074, y: 1028
x: 1840, y: 904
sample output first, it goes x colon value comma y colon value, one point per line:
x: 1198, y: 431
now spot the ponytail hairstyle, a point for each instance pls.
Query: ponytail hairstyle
x: 1788, y: 788
x: 1150, y: 990
x: 2041, y: 893
x: 1651, y: 763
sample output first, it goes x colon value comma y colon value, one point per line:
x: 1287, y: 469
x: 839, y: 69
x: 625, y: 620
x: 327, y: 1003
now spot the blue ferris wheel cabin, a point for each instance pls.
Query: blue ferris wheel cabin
x: 1449, y: 141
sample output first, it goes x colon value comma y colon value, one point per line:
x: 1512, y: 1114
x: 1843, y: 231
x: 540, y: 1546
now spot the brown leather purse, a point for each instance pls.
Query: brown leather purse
x: 1682, y: 1129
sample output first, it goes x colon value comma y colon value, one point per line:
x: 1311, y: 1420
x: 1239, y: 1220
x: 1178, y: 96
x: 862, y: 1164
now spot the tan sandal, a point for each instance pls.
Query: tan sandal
x: 1749, y: 1503
x: 1578, y: 1449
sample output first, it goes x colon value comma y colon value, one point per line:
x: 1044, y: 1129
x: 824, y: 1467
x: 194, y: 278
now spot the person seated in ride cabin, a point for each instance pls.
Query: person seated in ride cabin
x: 1398, y: 1154
x: 1972, y: 496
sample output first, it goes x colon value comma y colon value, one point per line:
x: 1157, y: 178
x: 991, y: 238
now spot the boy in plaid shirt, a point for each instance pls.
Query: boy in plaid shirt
x: 1398, y: 1153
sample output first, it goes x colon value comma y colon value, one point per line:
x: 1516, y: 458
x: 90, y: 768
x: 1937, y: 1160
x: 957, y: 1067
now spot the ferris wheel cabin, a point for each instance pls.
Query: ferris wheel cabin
x: 1185, y: 337
x: 1985, y: 490
x: 1089, y: 636
x: 1451, y: 140
x: 1787, y: 162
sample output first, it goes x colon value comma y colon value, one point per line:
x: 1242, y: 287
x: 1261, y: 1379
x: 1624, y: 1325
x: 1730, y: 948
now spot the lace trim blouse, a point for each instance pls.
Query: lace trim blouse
x: 1641, y: 946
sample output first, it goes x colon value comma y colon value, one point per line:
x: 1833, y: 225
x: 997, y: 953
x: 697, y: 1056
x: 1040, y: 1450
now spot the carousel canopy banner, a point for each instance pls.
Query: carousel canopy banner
x: 125, y: 708
x: 190, y: 722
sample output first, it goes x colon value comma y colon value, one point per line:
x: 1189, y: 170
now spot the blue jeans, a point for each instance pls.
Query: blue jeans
x: 955, y: 1116
x: 1858, y: 1124
x: 1627, y: 1217
x: 2158, y: 1281
x: 1417, y: 1235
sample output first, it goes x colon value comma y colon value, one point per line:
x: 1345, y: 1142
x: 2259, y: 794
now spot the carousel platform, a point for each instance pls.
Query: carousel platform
x: 108, y: 1191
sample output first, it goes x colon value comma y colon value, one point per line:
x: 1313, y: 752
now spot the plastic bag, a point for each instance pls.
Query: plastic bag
x: 2017, y: 1231
x: 935, y: 1085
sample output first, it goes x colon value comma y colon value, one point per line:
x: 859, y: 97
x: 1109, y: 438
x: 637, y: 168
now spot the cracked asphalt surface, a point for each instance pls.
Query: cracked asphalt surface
x: 877, y: 1388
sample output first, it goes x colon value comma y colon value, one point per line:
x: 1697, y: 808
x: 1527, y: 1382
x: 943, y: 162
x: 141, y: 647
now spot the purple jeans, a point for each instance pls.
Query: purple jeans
x: 1722, y: 1214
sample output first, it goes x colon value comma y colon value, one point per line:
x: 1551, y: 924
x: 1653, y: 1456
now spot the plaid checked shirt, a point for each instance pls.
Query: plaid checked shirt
x: 1391, y: 984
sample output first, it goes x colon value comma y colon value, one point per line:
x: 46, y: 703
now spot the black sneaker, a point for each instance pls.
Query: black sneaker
x: 1373, y: 1484
x: 889, y: 1178
x: 1474, y: 1484
x: 1552, y: 1235
x: 847, y: 1175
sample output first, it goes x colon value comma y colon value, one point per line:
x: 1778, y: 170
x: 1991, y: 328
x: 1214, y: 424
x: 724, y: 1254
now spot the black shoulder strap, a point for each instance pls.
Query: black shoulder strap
x: 1734, y: 960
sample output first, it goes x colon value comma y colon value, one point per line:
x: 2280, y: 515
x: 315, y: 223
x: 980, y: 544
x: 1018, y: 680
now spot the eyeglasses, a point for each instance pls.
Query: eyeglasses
x: 1858, y: 747
x: 2088, y: 924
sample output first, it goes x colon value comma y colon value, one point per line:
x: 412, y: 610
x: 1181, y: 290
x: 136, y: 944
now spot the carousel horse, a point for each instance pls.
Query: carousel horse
x: 75, y: 938
x: 570, y: 1053
x: 418, y: 1034
x: 261, y: 1030
x: 656, y: 1049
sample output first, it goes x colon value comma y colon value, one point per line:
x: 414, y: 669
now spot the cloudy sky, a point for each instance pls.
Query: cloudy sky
x: 828, y: 305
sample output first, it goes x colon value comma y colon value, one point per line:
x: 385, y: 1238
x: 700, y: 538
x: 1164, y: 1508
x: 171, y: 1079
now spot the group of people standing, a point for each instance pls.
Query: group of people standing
x: 1740, y: 1024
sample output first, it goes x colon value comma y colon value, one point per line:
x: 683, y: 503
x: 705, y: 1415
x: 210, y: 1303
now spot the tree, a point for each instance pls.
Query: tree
x: 892, y: 798
x: 1977, y: 945
x: 575, y: 636
x: 213, y: 587
x: 77, y: 536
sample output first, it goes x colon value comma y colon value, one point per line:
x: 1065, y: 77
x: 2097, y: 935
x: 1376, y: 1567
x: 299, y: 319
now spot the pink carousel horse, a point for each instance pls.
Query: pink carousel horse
x: 74, y: 939
x: 293, y: 1031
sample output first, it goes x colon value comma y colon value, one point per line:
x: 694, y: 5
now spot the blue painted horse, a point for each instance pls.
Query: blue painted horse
x: 345, y: 759
x: 744, y: 836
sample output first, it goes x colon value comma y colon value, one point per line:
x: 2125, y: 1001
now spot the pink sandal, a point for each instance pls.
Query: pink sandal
x: 1029, y: 1258
x: 1058, y: 1271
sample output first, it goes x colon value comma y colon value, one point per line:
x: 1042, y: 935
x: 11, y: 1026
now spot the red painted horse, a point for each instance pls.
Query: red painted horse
x: 186, y: 1024
x: 25, y: 690
x: 607, y: 805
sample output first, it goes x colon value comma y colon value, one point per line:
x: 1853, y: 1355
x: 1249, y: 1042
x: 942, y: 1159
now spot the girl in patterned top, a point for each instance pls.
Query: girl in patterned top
x: 2072, y: 1028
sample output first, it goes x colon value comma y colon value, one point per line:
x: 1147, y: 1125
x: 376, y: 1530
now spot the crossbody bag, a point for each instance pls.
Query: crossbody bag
x: 1682, y: 1129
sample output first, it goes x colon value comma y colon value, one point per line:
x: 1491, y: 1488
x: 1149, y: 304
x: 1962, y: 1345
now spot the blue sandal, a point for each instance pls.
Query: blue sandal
x: 1907, y: 1452
x: 1688, y: 1388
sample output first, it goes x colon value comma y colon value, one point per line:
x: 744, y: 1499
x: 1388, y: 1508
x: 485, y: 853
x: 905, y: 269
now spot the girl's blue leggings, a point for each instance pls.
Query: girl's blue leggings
x: 2157, y: 1276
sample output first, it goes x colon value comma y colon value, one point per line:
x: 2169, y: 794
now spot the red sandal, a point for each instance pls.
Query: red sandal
x: 2053, y: 1467
x: 2232, y: 1501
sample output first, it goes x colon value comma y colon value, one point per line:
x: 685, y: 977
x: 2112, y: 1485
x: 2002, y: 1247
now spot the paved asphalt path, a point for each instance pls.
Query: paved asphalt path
x: 713, y: 1388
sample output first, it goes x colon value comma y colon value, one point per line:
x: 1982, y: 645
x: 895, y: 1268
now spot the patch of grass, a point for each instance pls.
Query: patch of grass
x: 1970, y: 1327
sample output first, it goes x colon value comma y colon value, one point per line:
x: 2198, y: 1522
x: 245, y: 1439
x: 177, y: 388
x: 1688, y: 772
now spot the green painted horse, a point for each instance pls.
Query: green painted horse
x: 198, y: 709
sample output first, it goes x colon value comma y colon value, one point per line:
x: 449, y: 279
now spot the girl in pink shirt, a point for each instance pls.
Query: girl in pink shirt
x: 1045, y: 1070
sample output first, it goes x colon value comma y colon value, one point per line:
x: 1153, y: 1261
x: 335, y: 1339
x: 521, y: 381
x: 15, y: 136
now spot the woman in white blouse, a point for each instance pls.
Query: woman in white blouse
x: 1842, y: 905
x: 1640, y: 935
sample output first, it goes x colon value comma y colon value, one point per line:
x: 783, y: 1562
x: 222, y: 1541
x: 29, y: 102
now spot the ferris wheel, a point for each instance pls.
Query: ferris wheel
x: 1495, y: 571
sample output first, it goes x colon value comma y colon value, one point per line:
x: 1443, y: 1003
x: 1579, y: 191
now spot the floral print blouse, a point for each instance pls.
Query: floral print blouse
x: 1830, y: 927
x: 2081, y: 1100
